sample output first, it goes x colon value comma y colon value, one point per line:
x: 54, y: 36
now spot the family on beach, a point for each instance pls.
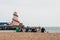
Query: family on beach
x: 32, y: 29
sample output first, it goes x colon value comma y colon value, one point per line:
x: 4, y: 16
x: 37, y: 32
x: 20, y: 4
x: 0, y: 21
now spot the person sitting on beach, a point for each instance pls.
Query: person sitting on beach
x: 33, y: 30
x: 27, y: 29
x: 43, y: 30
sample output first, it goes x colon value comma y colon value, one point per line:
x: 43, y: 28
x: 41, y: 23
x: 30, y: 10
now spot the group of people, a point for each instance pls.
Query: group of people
x: 33, y: 29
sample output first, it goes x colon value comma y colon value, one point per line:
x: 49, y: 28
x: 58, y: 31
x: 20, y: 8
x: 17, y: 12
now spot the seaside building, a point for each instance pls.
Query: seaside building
x: 15, y: 20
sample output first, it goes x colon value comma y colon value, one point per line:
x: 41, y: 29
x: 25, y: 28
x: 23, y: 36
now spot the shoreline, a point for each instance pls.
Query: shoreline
x: 24, y: 31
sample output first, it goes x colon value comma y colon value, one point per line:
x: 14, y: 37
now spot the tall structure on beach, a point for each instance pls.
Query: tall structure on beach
x: 15, y: 20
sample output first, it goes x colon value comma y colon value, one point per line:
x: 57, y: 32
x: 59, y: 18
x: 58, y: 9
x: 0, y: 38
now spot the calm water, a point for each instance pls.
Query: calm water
x: 53, y: 29
x: 7, y: 31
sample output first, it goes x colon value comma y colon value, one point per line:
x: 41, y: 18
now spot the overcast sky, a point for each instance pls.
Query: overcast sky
x: 32, y: 12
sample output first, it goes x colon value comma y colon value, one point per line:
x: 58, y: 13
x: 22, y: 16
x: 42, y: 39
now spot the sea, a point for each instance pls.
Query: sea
x: 52, y: 29
x: 7, y: 30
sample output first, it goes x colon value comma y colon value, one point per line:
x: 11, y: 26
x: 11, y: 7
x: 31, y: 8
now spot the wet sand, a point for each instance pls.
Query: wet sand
x: 29, y: 36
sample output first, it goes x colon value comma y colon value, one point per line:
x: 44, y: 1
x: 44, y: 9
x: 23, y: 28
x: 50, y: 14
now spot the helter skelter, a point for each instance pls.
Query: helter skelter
x: 15, y: 20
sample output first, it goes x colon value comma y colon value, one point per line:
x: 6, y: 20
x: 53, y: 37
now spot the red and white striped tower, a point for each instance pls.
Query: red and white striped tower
x: 15, y: 19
